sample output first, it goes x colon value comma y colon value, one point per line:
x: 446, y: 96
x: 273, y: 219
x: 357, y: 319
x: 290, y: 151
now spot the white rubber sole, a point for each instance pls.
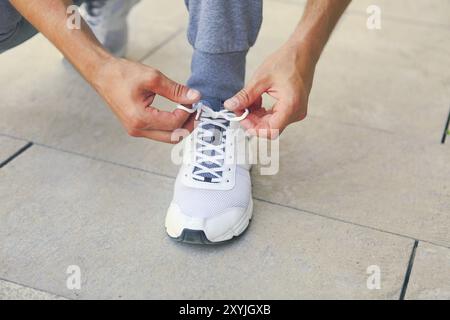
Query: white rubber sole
x: 223, y: 227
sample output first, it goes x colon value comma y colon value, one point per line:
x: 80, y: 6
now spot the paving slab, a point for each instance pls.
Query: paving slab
x: 429, y: 13
x: 430, y: 275
x: 12, y: 291
x: 152, y: 23
x: 372, y: 178
x: 9, y: 146
x: 108, y: 221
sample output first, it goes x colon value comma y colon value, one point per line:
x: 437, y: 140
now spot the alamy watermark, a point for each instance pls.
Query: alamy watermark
x: 239, y: 149
x: 374, y: 20
x: 374, y: 279
x: 73, y: 18
x: 73, y: 281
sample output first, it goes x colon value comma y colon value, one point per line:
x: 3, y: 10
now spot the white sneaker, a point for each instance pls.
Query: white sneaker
x: 108, y: 21
x: 212, y: 196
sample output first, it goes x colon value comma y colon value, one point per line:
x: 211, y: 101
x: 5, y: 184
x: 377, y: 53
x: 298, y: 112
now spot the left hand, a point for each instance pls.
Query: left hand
x: 287, y: 76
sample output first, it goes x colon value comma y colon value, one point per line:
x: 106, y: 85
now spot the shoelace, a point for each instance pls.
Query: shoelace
x: 224, y: 114
x: 209, y: 156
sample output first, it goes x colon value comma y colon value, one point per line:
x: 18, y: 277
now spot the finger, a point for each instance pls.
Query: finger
x: 159, y: 135
x: 256, y: 110
x: 268, y: 125
x: 274, y: 123
x: 256, y: 105
x: 174, y: 91
x: 155, y: 119
x: 246, y: 97
x: 254, y: 118
x: 190, y: 123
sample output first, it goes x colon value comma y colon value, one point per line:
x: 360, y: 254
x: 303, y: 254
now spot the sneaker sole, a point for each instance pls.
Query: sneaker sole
x: 192, y: 235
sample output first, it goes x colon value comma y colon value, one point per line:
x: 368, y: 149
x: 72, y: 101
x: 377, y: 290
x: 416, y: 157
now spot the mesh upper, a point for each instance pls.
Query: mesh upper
x: 205, y: 203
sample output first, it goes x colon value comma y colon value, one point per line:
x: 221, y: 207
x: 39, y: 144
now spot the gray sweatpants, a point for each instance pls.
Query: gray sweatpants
x: 220, y: 31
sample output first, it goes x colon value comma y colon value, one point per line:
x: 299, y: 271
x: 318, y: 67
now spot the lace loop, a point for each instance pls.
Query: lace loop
x: 200, y: 108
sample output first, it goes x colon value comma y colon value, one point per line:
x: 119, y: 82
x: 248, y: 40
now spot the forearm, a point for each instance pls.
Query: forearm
x: 79, y: 46
x: 317, y: 23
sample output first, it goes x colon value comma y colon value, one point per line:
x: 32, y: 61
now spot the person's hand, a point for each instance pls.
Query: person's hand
x: 287, y: 76
x: 129, y: 88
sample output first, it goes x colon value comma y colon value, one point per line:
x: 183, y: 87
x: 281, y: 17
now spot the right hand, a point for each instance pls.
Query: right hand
x: 129, y: 88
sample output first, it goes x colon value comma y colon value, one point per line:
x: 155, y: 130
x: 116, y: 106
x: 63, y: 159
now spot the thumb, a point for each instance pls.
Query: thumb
x: 246, y: 97
x: 176, y: 92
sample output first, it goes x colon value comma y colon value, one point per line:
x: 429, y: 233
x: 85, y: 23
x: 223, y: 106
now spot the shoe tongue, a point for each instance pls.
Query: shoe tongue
x: 215, y: 104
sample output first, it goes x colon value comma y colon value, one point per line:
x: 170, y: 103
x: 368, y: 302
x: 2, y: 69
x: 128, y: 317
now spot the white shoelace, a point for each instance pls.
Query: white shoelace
x: 208, y: 151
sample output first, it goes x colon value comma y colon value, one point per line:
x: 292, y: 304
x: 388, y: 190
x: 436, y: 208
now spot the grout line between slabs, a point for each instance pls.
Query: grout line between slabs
x: 16, y: 154
x: 33, y: 288
x: 408, y: 270
x: 446, y: 129
x: 304, y: 211
x: 103, y: 160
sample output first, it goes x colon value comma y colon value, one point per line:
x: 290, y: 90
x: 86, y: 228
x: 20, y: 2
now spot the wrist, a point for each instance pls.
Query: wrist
x: 305, y: 59
x: 307, y: 49
x: 96, y: 69
x: 85, y: 52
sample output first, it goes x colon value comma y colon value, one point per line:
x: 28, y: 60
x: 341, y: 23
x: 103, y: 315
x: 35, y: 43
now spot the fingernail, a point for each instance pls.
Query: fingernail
x: 231, y: 104
x: 193, y: 94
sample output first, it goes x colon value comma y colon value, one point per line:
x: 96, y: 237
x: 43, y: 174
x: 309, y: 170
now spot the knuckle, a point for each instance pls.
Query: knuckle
x: 174, y: 125
x: 293, y: 101
x: 135, y: 123
x: 154, y: 77
x: 177, y: 90
x: 244, y: 95
x: 174, y: 142
x: 302, y: 116
x: 170, y: 125
x: 291, y: 113
x: 133, y: 132
x: 274, y: 133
